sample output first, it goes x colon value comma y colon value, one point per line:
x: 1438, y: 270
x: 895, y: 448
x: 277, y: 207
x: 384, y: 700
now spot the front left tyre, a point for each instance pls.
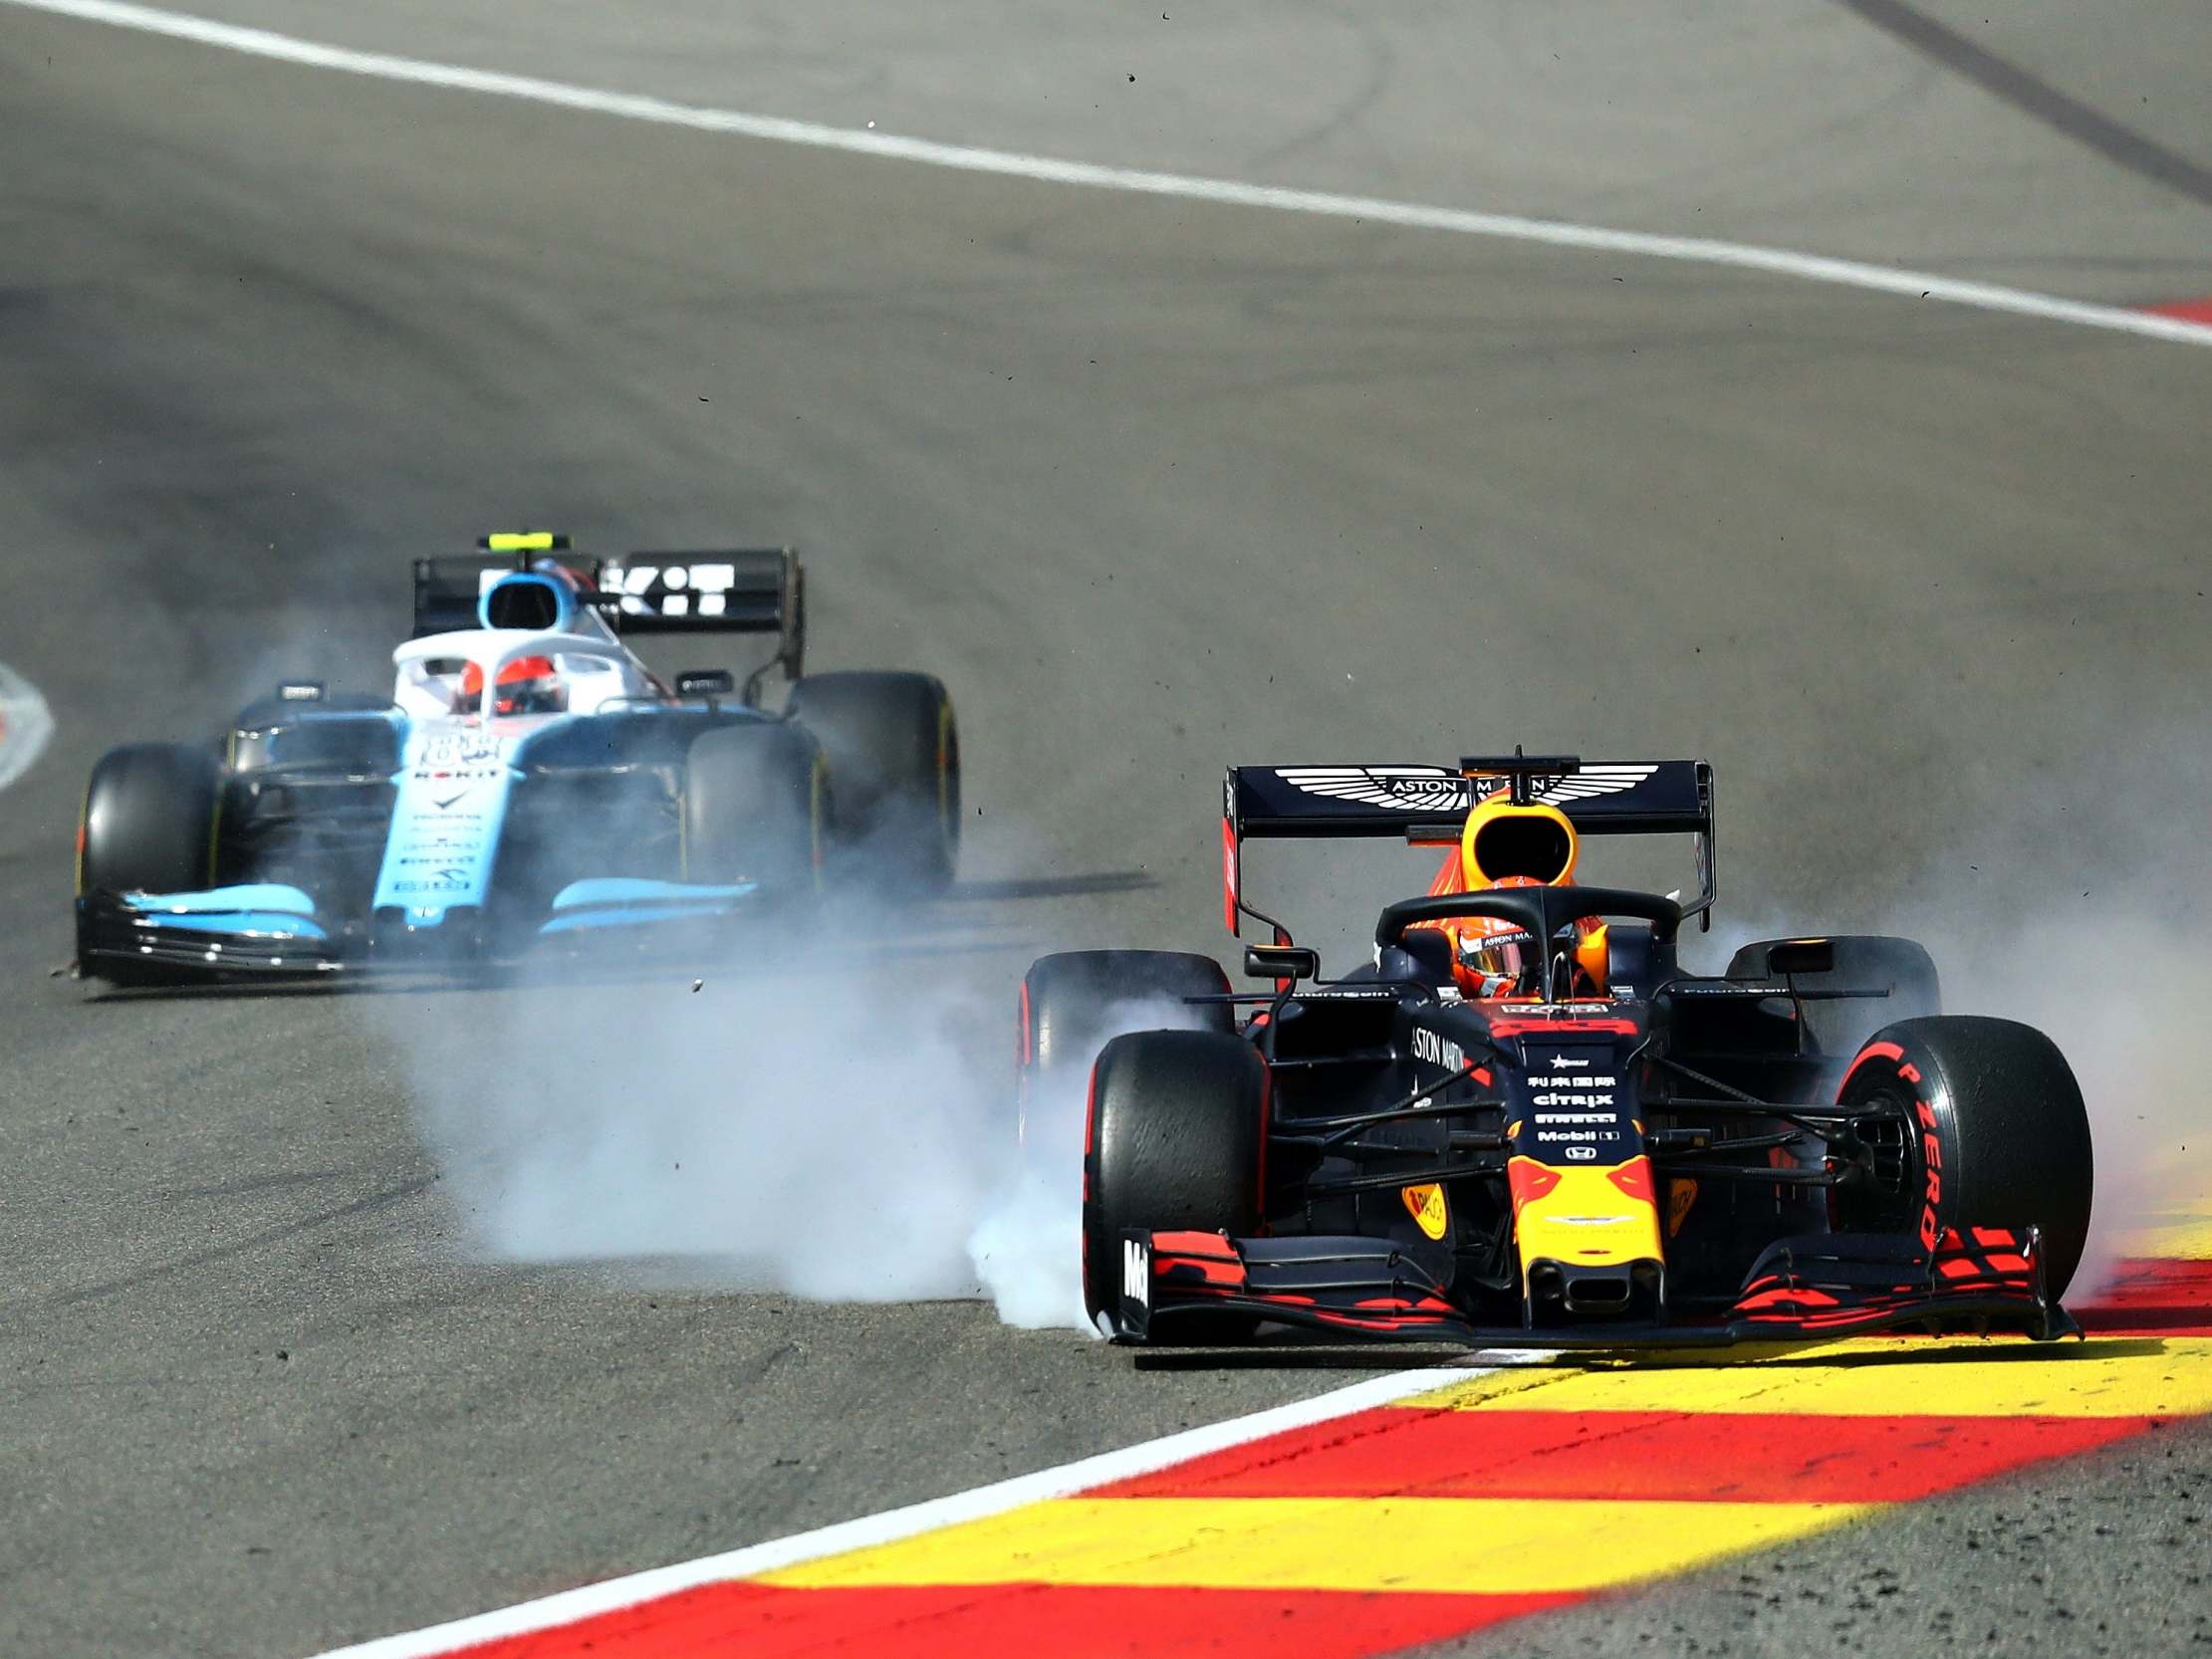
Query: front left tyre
x: 1973, y: 1122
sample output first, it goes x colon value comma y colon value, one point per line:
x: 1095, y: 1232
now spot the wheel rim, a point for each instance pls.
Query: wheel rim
x: 1881, y: 1200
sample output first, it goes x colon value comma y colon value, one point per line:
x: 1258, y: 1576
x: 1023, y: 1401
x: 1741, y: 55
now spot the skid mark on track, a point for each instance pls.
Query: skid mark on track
x: 2121, y: 145
x: 25, y: 724
x: 366, y: 1205
x: 1780, y: 262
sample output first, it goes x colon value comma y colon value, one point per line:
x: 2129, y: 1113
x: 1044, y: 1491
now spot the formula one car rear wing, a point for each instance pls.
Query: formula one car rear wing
x: 1427, y: 805
x: 693, y: 590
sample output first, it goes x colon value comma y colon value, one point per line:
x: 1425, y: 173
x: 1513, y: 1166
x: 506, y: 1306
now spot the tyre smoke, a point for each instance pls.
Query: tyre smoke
x: 828, y: 1114
x: 2080, y: 906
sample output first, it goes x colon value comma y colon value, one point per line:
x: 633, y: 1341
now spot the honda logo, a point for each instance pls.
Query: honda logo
x: 1136, y: 1273
x: 1582, y: 1154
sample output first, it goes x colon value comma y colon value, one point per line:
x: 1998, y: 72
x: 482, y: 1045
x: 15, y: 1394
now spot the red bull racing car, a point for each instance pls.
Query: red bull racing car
x: 1525, y: 1123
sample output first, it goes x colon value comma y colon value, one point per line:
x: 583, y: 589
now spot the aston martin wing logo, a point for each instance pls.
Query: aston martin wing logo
x: 1438, y: 789
x: 1593, y: 781
x: 1396, y: 788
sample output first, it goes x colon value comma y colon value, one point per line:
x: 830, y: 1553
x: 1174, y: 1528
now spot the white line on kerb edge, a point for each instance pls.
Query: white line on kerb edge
x: 1070, y: 1478
x: 1848, y: 273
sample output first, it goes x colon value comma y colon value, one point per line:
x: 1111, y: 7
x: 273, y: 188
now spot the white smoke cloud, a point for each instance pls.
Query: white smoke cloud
x: 809, y: 1119
x: 2078, y: 903
x: 1024, y: 1245
x: 830, y: 1115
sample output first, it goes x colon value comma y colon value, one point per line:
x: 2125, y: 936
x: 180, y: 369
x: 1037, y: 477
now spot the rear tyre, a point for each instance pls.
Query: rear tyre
x: 149, y: 826
x: 893, y: 754
x: 753, y: 811
x: 1074, y: 1001
x: 1986, y: 1127
x: 1176, y: 1133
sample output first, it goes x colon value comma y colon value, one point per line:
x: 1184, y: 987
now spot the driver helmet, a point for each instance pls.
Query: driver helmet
x: 1487, y: 951
x: 527, y: 685
x: 1508, y: 844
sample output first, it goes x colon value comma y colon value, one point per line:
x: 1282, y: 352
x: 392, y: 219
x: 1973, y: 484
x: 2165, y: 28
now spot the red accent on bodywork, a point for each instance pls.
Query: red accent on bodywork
x: 1562, y: 1028
x: 1791, y: 1297
x: 1634, y: 1179
x: 1529, y: 1181
x: 1210, y: 1256
x: 1229, y: 874
x: 1402, y: 1305
x: 1022, y: 1047
x: 1212, y: 1275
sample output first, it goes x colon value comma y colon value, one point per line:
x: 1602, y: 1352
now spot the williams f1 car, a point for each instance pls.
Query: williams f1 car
x: 1526, y: 1124
x: 530, y: 779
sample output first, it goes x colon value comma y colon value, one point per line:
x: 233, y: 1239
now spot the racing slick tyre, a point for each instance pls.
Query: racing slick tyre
x: 753, y: 804
x: 894, y: 772
x: 1175, y: 1138
x: 149, y: 826
x: 1863, y: 962
x: 1072, y: 1002
x: 1984, y: 1126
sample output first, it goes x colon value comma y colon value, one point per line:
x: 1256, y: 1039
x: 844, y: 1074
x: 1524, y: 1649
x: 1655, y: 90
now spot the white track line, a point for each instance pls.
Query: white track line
x: 25, y: 724
x: 1884, y: 279
x: 613, y: 1593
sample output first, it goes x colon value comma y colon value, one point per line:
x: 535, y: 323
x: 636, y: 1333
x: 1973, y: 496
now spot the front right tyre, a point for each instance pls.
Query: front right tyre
x: 149, y: 825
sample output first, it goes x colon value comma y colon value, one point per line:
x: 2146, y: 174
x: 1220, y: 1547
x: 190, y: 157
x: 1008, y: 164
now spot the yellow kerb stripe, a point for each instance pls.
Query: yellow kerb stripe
x: 2189, y: 1238
x: 1441, y: 1544
x: 2104, y: 1377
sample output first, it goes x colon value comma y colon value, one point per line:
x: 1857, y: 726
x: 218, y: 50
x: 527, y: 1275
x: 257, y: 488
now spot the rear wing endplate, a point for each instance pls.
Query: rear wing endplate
x: 1430, y: 804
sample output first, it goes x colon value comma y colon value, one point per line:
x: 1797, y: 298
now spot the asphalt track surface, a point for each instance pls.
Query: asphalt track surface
x: 1153, y: 486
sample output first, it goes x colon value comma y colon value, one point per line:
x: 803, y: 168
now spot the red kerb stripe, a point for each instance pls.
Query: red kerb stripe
x: 2169, y: 1298
x: 1400, y: 1451
x: 1049, y: 1621
x: 2189, y: 310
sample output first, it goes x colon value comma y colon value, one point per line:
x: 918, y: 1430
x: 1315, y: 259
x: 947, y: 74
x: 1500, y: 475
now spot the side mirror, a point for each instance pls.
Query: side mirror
x: 1802, y: 956
x: 1280, y: 963
x: 706, y: 682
